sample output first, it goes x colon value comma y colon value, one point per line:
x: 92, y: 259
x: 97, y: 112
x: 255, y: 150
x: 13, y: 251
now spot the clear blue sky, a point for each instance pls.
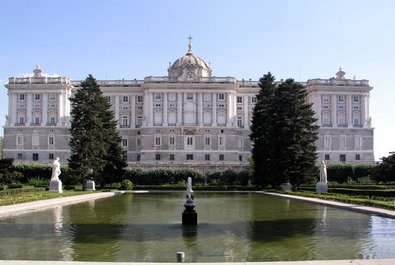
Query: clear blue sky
x: 245, y: 39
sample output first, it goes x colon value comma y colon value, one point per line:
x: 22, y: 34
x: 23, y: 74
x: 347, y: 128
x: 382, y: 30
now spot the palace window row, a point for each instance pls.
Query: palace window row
x: 342, y: 157
x: 189, y: 157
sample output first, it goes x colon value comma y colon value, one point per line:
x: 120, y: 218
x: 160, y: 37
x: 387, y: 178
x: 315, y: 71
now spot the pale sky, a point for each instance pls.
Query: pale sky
x: 300, y: 39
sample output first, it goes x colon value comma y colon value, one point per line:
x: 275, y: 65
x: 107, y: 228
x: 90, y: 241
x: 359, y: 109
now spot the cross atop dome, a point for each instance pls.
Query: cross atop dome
x: 190, y: 44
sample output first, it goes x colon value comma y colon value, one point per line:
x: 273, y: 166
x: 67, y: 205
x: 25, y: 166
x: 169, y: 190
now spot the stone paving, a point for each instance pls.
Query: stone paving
x: 314, y: 262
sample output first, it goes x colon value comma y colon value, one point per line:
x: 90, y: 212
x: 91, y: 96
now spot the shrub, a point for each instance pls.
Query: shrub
x: 38, y: 182
x: 126, y: 185
x: 10, y: 177
x: 15, y: 186
x: 1, y: 187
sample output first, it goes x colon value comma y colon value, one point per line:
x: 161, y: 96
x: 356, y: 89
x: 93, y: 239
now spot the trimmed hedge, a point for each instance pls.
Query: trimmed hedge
x: 341, y: 173
x: 18, y: 191
x: 361, y: 192
x: 196, y: 188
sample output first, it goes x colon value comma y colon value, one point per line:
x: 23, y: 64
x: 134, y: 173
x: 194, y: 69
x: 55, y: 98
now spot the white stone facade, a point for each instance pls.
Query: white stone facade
x: 186, y: 119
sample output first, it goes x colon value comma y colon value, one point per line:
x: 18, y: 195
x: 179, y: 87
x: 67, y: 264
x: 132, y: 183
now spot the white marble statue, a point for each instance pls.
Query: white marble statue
x: 55, y: 169
x: 323, y: 173
x: 189, y: 185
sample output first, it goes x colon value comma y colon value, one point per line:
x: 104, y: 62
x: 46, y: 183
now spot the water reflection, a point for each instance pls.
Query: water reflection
x: 232, y: 227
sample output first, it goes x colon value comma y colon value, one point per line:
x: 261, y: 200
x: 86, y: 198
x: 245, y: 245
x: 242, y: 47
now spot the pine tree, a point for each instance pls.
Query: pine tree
x: 95, y: 143
x: 283, y: 133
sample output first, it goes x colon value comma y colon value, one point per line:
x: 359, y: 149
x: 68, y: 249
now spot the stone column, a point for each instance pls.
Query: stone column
x: 214, y: 113
x: 179, y: 108
x: 318, y: 109
x: 116, y: 110
x: 200, y: 109
x: 164, y: 122
x: 349, y: 111
x: 60, y: 109
x: 29, y: 103
x: 365, y: 110
x: 333, y: 111
x: 151, y: 109
x: 229, y: 110
x: 44, y: 110
x: 245, y: 111
x: 133, y: 111
x: 12, y: 117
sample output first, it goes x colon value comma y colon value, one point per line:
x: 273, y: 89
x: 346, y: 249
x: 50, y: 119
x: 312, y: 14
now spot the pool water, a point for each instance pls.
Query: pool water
x: 231, y: 227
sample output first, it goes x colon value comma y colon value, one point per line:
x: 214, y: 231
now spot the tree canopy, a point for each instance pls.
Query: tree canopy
x: 95, y: 143
x: 385, y: 171
x: 283, y: 133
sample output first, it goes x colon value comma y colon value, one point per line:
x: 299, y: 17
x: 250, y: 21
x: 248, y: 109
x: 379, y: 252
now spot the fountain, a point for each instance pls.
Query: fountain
x: 189, y: 216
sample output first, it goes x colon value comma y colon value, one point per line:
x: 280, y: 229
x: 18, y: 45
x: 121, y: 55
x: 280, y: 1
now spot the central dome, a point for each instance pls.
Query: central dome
x: 189, y: 67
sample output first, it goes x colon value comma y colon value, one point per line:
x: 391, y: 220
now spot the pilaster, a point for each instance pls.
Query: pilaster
x: 164, y: 123
x: 333, y: 111
x: 44, y: 110
x: 29, y: 103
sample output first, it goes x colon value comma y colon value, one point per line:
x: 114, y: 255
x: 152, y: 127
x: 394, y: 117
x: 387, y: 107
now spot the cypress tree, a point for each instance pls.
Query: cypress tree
x: 283, y: 133
x: 94, y: 143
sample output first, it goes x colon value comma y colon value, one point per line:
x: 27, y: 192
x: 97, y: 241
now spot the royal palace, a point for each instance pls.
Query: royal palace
x: 188, y: 118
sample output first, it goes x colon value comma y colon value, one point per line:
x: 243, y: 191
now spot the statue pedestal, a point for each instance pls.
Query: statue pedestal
x: 189, y: 216
x: 286, y: 186
x: 90, y: 185
x: 321, y: 187
x: 56, y: 186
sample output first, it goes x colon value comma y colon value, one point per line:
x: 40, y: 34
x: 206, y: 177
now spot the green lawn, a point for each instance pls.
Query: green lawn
x: 379, y: 202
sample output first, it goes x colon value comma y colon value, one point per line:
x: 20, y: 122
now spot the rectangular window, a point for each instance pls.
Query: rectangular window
x: 108, y: 98
x: 37, y: 96
x: 36, y: 120
x: 189, y: 96
x: 189, y: 157
x: 52, y: 97
x: 125, y: 99
x: 221, y: 157
x: 125, y: 156
x: 139, y: 121
x: 20, y: 156
x: 19, y: 140
x: 52, y: 120
x: 125, y: 121
x: 240, y: 158
x: 35, y: 157
x: 240, y: 122
x: 355, y: 99
x: 253, y: 99
x: 357, y: 157
x: 207, y: 140
x: 125, y: 142
x: 138, y: 157
x: 158, y: 96
x: 190, y: 140
x: 157, y: 141
x: 157, y: 156
x: 50, y: 156
x: 138, y: 142
x: 340, y: 99
x: 21, y: 97
x: 21, y: 120
x: 325, y: 98
x: 342, y: 158
x: 221, y: 141
x: 172, y: 140
x: 327, y: 157
x: 207, y: 157
x: 171, y: 157
x: 221, y: 96
x: 51, y: 140
x: 139, y: 99
x: 239, y: 99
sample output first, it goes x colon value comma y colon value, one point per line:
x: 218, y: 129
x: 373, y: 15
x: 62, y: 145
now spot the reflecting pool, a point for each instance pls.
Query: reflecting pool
x: 232, y: 227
